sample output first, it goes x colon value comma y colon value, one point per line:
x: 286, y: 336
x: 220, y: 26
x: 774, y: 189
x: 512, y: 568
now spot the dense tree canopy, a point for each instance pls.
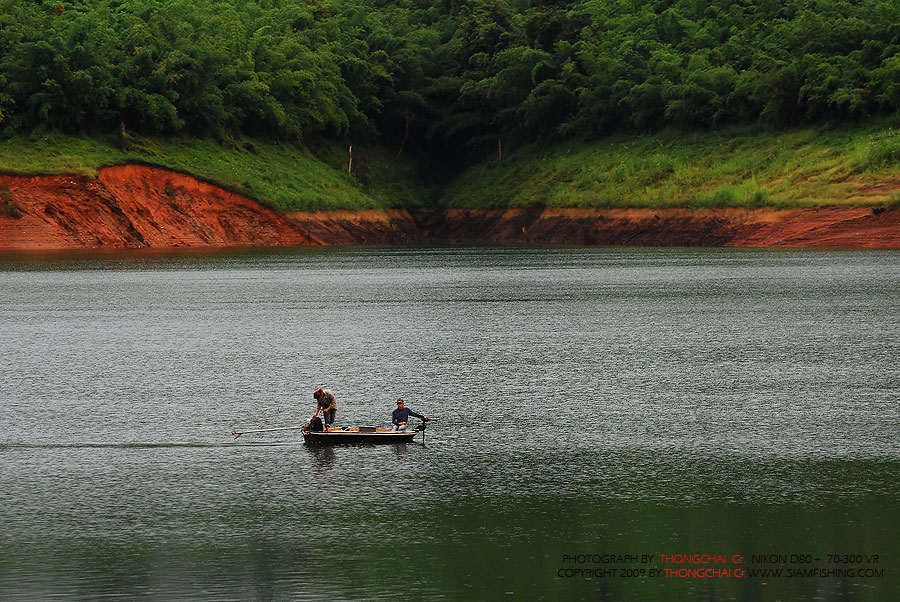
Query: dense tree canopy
x: 449, y: 73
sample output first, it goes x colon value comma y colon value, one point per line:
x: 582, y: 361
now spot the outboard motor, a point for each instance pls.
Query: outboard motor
x: 315, y: 425
x: 421, y: 429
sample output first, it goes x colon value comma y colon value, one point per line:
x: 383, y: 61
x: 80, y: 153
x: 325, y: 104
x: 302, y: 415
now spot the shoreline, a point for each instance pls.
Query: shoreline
x: 139, y: 206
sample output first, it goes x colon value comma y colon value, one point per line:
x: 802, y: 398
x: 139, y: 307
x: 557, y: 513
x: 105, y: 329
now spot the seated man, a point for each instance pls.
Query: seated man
x: 326, y: 402
x: 401, y: 416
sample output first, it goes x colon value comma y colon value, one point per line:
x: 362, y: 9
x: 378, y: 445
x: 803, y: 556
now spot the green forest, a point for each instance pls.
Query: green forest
x: 451, y: 84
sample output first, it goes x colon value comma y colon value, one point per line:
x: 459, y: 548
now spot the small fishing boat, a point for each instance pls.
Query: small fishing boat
x: 358, y: 434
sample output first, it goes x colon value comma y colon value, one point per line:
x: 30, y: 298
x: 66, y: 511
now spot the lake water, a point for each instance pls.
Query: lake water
x: 590, y: 405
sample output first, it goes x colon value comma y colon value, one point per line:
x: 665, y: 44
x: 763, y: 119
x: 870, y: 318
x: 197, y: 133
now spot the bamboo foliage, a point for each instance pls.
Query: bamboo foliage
x: 447, y: 75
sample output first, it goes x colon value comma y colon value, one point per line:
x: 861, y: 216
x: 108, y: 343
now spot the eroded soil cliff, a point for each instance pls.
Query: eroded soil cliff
x: 141, y: 206
x: 134, y: 206
x: 853, y: 227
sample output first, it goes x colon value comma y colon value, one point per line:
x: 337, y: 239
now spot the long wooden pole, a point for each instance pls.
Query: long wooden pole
x: 281, y: 428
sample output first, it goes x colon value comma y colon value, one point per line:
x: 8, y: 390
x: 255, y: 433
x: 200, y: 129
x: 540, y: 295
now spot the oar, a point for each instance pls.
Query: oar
x: 281, y: 428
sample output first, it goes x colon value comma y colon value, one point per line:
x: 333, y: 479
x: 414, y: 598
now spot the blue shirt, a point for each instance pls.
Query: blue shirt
x: 403, y: 415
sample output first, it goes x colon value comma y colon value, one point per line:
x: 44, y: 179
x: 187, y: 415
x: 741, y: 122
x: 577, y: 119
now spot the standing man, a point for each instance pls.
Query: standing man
x: 401, y: 416
x: 326, y: 402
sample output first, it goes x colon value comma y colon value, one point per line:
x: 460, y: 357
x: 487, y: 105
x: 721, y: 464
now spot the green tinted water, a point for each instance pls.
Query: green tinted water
x: 587, y: 402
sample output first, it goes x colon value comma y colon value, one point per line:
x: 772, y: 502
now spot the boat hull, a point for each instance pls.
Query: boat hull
x: 355, y: 436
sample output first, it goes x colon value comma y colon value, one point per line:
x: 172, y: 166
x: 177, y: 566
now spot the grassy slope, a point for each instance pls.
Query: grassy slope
x: 735, y: 168
x: 739, y: 167
x: 283, y: 176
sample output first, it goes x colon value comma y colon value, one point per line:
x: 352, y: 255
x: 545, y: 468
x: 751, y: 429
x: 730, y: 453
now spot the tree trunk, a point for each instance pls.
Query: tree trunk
x: 403, y: 142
